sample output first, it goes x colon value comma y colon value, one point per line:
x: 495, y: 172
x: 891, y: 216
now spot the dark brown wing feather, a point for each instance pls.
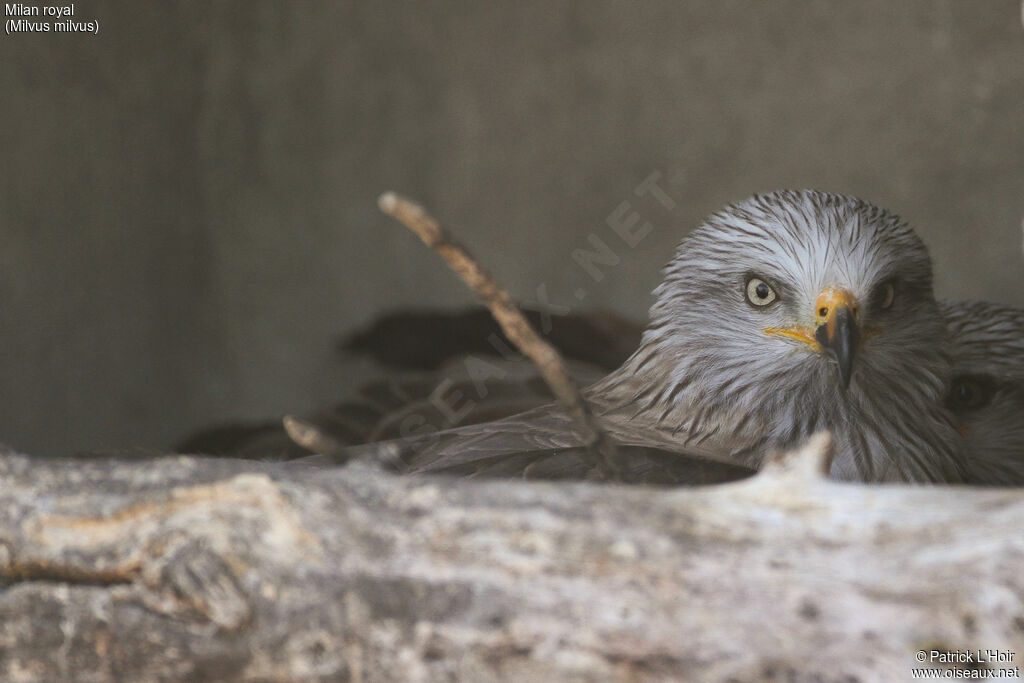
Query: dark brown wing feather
x: 539, y: 444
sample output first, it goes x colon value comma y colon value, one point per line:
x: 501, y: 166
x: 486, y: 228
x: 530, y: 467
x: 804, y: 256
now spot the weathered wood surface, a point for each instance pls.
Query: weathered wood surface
x: 190, y: 569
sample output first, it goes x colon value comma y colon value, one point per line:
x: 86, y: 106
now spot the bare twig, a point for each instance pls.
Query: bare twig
x: 513, y: 323
x: 309, y: 436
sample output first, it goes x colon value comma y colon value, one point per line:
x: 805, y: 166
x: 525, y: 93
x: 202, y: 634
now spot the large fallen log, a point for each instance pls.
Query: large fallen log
x: 198, y: 569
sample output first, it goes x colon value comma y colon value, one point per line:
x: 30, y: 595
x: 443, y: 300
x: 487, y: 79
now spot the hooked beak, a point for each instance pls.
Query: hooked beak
x: 838, y: 329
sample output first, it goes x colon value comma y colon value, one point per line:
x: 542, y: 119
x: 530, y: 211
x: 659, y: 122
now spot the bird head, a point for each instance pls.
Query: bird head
x: 811, y: 310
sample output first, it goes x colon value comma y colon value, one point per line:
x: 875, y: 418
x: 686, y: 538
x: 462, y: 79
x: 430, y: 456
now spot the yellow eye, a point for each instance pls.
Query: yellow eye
x: 887, y: 296
x: 759, y: 292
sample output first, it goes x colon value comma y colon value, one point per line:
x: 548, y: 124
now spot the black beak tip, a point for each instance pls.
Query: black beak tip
x: 842, y: 345
x: 845, y: 372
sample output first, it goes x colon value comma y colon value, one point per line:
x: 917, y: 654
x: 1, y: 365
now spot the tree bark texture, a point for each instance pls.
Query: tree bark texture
x: 183, y: 568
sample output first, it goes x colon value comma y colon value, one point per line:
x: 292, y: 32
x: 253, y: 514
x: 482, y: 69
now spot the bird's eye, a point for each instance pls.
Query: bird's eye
x: 759, y: 292
x: 886, y: 295
x: 970, y: 392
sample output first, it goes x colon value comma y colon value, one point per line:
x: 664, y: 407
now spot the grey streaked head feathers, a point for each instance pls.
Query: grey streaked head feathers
x: 722, y: 376
x: 987, y: 394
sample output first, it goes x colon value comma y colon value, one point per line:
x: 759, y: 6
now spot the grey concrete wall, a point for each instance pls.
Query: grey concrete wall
x: 187, y: 209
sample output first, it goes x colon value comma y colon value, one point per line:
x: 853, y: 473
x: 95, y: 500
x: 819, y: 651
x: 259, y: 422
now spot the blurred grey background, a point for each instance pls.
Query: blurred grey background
x: 188, y: 206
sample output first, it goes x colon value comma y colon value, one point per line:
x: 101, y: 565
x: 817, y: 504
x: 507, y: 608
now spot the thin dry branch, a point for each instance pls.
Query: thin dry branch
x: 309, y: 436
x: 513, y: 323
